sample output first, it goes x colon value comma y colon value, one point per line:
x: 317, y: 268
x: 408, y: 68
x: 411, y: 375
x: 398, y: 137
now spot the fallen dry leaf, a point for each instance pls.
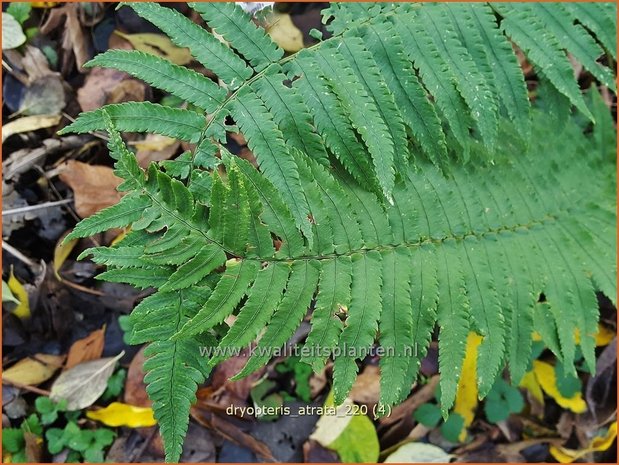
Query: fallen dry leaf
x: 231, y: 432
x: 86, y: 349
x: 466, y: 395
x: 94, y: 186
x: 129, y: 90
x: 545, y: 374
x: 100, y: 88
x: 366, y: 389
x: 12, y: 34
x: 35, y: 64
x: 159, y: 45
x: 155, y: 148
x: 239, y: 390
x: 83, y: 384
x: 135, y: 389
x: 45, y: 96
x: 29, y: 123
x: 119, y: 414
x: 22, y: 310
x: 62, y: 252
x: 597, y: 444
x: 284, y: 32
x: 33, y: 370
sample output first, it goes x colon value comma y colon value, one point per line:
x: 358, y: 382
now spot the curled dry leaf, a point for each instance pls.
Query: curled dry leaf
x: 33, y: 370
x: 94, y: 186
x: 83, y: 384
x: 61, y: 253
x: 22, y: 310
x: 598, y: 444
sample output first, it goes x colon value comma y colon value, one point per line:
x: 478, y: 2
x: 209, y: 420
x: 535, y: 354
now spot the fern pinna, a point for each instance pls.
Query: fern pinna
x: 404, y: 182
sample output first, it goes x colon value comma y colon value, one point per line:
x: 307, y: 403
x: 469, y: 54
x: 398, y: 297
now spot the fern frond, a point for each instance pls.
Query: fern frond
x: 204, y: 46
x: 230, y: 21
x: 340, y: 218
x: 595, y: 19
x: 129, y: 209
x: 184, y: 83
x: 542, y: 48
x: 142, y: 117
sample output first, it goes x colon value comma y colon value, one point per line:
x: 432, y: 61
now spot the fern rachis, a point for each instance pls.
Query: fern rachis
x: 380, y: 227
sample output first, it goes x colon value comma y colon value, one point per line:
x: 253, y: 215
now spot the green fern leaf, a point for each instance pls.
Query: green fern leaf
x: 129, y: 209
x: 204, y: 46
x: 362, y: 321
x: 142, y: 117
x: 299, y: 292
x: 230, y: 21
x: 179, y: 81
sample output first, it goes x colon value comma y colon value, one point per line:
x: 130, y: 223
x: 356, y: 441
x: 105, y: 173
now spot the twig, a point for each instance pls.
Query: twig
x: 40, y: 206
x: 20, y: 256
x: 25, y: 387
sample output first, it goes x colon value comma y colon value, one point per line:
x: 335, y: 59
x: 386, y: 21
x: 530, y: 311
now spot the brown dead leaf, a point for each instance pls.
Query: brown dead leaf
x: 249, y: 156
x: 34, y: 449
x: 135, y: 394
x: 238, y: 138
x: 129, y: 90
x: 135, y: 389
x: 317, y: 382
x: 106, y: 85
x: 240, y: 389
x: 34, y: 370
x: 94, y: 186
x: 366, y: 389
x: 86, y: 349
x: 74, y: 42
x: 35, y: 64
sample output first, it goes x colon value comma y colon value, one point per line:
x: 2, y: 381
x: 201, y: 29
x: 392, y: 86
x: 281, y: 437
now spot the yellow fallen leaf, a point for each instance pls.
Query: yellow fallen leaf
x: 33, y: 370
x: 120, y: 236
x: 120, y: 414
x: 29, y: 123
x: 159, y: 45
x: 23, y: 309
x: 154, y: 142
x: 61, y: 252
x: 597, y: 444
x: 546, y: 377
x: 602, y: 337
x: 530, y: 383
x: 466, y: 396
x: 284, y: 33
x: 44, y: 4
